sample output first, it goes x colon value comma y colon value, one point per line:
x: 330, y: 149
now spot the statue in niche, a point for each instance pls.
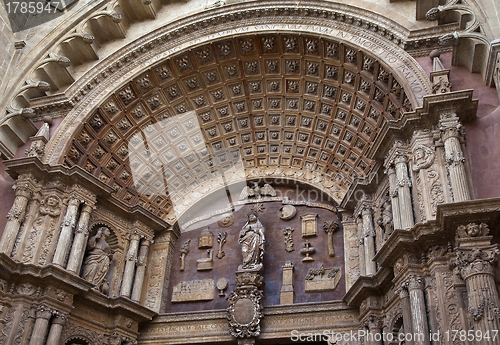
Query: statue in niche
x: 98, y: 259
x: 252, y: 243
x: 385, y: 220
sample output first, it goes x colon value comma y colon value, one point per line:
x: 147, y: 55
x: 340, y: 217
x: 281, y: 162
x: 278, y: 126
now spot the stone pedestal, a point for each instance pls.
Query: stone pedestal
x: 287, y: 293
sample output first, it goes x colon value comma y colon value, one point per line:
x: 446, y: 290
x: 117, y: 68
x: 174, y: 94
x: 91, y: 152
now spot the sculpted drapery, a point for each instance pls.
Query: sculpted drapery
x: 98, y: 259
x: 252, y: 242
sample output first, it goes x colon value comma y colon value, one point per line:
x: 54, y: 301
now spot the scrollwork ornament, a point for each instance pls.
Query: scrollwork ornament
x: 243, y: 322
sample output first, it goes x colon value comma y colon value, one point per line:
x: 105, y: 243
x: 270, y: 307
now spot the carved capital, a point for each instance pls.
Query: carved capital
x: 44, y: 312
x: 59, y: 318
x: 475, y: 261
x: 414, y: 282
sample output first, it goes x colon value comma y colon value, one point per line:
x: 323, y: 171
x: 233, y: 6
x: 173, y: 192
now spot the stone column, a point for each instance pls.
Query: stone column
x: 404, y: 194
x: 455, y: 159
x: 415, y: 285
x: 80, y: 241
x: 15, y: 216
x: 130, y: 259
x: 361, y: 239
x: 43, y: 315
x: 404, y: 296
x: 393, y: 192
x: 369, y: 240
x: 141, y: 270
x: 66, y: 234
x: 476, y: 268
x: 56, y: 328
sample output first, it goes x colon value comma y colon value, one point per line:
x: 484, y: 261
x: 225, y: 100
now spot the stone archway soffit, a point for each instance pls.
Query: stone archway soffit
x: 267, y: 104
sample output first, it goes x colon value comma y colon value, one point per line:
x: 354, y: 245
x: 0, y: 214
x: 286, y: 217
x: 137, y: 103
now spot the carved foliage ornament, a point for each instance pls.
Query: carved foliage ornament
x: 476, y: 261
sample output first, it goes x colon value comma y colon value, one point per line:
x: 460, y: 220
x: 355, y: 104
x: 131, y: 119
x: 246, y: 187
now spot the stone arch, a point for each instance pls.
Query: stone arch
x: 347, y: 86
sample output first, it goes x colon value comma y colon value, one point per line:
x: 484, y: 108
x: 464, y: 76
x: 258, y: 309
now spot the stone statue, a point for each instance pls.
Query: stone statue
x: 99, y: 256
x: 252, y: 243
x: 385, y: 220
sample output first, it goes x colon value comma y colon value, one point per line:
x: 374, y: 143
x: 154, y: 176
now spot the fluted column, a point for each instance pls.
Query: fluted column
x: 415, y: 285
x: 80, y: 240
x: 455, y: 159
x: 130, y: 259
x: 404, y: 296
x: 43, y: 315
x: 369, y: 240
x: 393, y: 192
x: 15, y: 217
x: 65, y: 237
x: 404, y: 194
x: 56, y: 328
x: 476, y: 268
x: 361, y: 239
x: 141, y: 270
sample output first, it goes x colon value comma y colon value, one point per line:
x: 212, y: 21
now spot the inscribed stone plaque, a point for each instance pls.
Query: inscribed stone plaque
x: 194, y: 290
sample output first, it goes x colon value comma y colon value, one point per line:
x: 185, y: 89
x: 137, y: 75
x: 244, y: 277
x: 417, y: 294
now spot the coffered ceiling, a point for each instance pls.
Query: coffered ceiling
x: 294, y: 103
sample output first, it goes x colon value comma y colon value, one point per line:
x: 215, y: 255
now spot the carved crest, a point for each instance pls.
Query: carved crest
x: 245, y: 312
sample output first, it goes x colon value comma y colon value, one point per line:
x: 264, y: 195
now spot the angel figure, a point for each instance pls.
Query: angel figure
x: 256, y: 191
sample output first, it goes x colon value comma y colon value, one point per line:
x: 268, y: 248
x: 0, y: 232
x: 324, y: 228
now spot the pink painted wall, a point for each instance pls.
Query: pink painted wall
x: 482, y: 134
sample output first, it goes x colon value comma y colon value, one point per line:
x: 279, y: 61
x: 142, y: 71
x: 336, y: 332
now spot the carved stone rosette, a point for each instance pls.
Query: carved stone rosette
x: 245, y: 311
